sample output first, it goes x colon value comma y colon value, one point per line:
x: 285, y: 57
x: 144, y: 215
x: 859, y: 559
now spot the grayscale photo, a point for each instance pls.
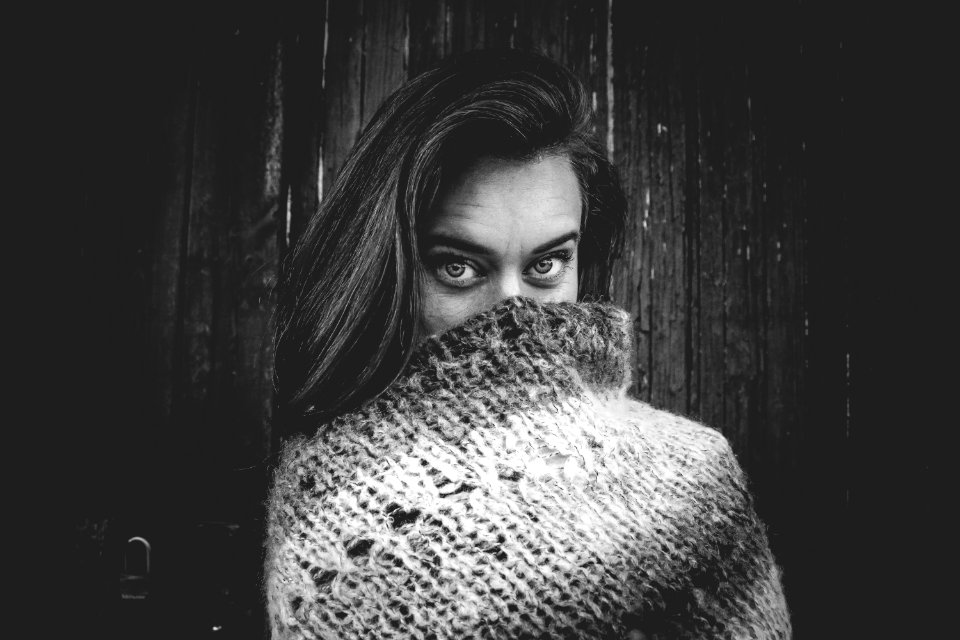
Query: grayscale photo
x: 430, y: 319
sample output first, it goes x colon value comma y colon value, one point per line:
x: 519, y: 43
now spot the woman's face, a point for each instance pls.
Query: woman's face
x: 502, y: 228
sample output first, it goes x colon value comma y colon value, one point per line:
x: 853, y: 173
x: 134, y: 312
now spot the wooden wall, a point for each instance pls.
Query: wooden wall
x: 200, y: 151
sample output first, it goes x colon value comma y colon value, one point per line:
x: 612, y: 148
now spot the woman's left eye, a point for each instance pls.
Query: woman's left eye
x: 551, y: 267
x: 544, y: 266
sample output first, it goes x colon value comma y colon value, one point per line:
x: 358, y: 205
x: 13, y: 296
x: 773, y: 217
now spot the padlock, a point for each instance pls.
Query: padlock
x: 135, y: 578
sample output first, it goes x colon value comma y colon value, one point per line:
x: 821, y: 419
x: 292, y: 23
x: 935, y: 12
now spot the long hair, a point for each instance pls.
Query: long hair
x: 349, y: 306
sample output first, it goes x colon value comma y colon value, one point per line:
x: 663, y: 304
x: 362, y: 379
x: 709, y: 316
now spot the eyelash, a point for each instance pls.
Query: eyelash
x: 439, y: 261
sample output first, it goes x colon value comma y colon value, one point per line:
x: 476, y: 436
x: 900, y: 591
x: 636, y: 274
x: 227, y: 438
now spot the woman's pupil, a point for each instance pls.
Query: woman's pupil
x: 543, y: 266
x: 455, y: 269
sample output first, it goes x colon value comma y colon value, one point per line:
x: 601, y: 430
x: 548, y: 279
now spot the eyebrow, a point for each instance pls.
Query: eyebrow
x: 471, y: 247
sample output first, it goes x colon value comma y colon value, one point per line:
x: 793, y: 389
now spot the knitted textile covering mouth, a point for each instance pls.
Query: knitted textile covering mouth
x: 505, y: 486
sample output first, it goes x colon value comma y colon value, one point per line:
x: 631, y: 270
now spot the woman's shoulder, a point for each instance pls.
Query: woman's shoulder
x: 682, y: 443
x: 674, y: 427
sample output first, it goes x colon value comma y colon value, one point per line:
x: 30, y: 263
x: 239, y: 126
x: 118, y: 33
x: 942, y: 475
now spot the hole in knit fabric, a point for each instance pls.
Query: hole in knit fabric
x: 400, y: 517
x: 511, y: 333
x: 508, y: 474
x: 359, y: 548
x: 324, y: 578
x: 296, y: 602
x: 451, y: 489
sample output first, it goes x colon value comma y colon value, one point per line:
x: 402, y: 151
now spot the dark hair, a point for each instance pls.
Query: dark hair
x: 348, y: 309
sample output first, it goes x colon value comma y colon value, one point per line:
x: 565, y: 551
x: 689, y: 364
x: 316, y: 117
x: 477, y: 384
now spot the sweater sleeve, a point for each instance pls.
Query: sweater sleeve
x: 285, y: 586
x: 739, y: 584
x: 298, y: 543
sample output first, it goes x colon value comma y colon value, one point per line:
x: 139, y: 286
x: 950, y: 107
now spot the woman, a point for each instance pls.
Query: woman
x: 464, y: 460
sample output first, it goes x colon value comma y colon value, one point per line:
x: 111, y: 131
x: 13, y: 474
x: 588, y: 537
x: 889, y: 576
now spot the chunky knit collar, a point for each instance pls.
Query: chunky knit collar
x: 591, y: 338
x: 504, y: 488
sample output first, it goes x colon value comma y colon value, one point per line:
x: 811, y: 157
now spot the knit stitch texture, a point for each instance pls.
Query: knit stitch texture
x: 506, y: 487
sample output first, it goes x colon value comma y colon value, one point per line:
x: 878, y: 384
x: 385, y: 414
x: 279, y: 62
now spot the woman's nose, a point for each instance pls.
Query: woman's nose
x: 506, y: 285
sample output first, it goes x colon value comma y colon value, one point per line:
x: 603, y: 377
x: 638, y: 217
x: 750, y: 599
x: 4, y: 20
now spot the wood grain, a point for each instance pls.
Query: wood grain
x: 343, y: 85
x: 385, y: 52
x: 231, y: 251
x: 303, y: 69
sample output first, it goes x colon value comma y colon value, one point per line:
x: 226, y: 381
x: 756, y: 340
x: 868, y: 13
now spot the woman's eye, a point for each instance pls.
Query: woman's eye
x: 455, y: 269
x: 455, y: 272
x: 551, y: 267
x: 544, y: 266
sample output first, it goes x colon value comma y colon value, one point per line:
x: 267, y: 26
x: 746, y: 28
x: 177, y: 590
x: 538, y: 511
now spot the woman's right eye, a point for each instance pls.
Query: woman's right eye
x: 455, y: 269
x: 455, y: 272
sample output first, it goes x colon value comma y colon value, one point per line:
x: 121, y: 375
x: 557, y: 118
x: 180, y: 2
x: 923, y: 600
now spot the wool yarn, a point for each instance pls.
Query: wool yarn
x: 505, y: 486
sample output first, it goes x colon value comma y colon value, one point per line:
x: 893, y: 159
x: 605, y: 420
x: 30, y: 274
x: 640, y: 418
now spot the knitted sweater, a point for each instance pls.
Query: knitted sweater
x: 506, y: 487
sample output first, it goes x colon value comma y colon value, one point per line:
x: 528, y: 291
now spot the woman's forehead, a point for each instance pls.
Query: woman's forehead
x: 494, y: 197
x: 547, y: 176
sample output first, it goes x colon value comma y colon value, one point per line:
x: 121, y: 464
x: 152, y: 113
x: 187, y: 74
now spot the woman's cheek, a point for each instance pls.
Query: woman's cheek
x: 566, y: 291
x: 444, y: 308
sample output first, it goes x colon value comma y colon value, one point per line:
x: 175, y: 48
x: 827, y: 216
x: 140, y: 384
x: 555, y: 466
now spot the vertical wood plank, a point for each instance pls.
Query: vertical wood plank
x: 464, y: 25
x: 665, y: 154
x: 173, y: 185
x: 427, y: 27
x: 593, y: 64
x: 259, y: 214
x: 542, y: 26
x: 648, y: 76
x: 763, y: 441
x: 476, y: 24
x: 740, y: 319
x: 303, y: 69
x: 500, y: 24
x: 231, y: 247
x: 630, y: 280
x: 711, y: 282
x: 446, y: 27
x: 574, y: 33
x: 343, y: 91
x: 385, y: 52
